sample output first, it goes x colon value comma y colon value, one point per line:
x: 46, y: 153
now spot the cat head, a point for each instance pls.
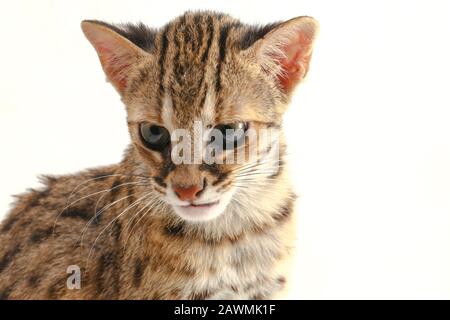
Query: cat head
x: 199, y: 90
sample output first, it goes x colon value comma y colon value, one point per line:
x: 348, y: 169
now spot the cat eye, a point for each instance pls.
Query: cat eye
x: 233, y: 134
x: 155, y: 137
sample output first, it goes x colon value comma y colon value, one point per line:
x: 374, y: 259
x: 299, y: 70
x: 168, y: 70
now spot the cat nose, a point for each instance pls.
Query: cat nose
x: 189, y: 193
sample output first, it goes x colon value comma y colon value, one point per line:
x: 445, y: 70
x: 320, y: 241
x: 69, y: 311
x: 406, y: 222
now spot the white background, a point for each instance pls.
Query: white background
x: 369, y: 130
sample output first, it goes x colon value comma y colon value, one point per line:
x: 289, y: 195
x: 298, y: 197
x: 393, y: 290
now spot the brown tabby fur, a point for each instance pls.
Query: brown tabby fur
x: 95, y: 219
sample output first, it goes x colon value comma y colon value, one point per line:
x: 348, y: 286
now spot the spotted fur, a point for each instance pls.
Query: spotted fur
x: 113, y: 221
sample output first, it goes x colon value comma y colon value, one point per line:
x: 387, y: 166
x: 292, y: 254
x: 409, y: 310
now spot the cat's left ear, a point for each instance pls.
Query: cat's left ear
x: 117, y: 54
x: 285, y: 51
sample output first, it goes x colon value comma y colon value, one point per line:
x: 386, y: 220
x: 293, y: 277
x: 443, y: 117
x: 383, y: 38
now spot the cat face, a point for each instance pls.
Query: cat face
x: 205, y: 97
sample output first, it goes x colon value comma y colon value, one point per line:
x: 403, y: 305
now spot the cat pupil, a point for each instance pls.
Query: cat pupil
x: 155, y: 130
x: 155, y: 137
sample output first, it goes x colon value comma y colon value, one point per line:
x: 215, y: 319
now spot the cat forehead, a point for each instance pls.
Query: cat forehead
x: 194, y: 71
x: 198, y: 30
x: 194, y: 51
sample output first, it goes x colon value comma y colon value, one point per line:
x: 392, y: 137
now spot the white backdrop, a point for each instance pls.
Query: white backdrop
x: 369, y: 130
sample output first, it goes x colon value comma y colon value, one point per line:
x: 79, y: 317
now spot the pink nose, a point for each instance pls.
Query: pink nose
x: 187, y: 193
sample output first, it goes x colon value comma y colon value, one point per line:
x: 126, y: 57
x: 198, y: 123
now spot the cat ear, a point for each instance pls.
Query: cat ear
x: 117, y: 54
x: 285, y: 51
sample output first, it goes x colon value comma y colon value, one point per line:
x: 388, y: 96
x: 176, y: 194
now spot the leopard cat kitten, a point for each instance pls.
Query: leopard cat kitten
x: 149, y: 228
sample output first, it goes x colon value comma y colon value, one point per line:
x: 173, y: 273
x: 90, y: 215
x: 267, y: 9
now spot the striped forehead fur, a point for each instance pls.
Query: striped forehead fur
x: 144, y: 36
x: 185, y: 46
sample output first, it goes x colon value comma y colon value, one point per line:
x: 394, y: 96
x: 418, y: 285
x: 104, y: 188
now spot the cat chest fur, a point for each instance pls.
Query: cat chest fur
x: 244, y: 269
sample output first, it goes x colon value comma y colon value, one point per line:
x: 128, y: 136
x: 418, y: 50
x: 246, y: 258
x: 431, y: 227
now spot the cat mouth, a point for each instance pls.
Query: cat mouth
x: 201, y: 205
x: 199, y: 211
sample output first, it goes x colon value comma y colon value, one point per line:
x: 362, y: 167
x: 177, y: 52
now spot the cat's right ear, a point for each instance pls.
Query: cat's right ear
x: 117, y: 54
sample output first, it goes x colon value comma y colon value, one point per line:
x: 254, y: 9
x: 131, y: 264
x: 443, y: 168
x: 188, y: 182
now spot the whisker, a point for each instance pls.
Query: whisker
x: 155, y: 205
x: 134, y: 216
x: 255, y: 181
x: 138, y: 201
x: 257, y: 173
x: 72, y: 203
x: 259, y: 170
x: 99, y: 213
x: 251, y: 165
x: 113, y: 188
x: 89, y: 180
x: 100, y: 178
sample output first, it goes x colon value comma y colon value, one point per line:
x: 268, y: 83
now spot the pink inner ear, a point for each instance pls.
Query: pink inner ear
x: 114, y: 66
x: 295, y: 63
